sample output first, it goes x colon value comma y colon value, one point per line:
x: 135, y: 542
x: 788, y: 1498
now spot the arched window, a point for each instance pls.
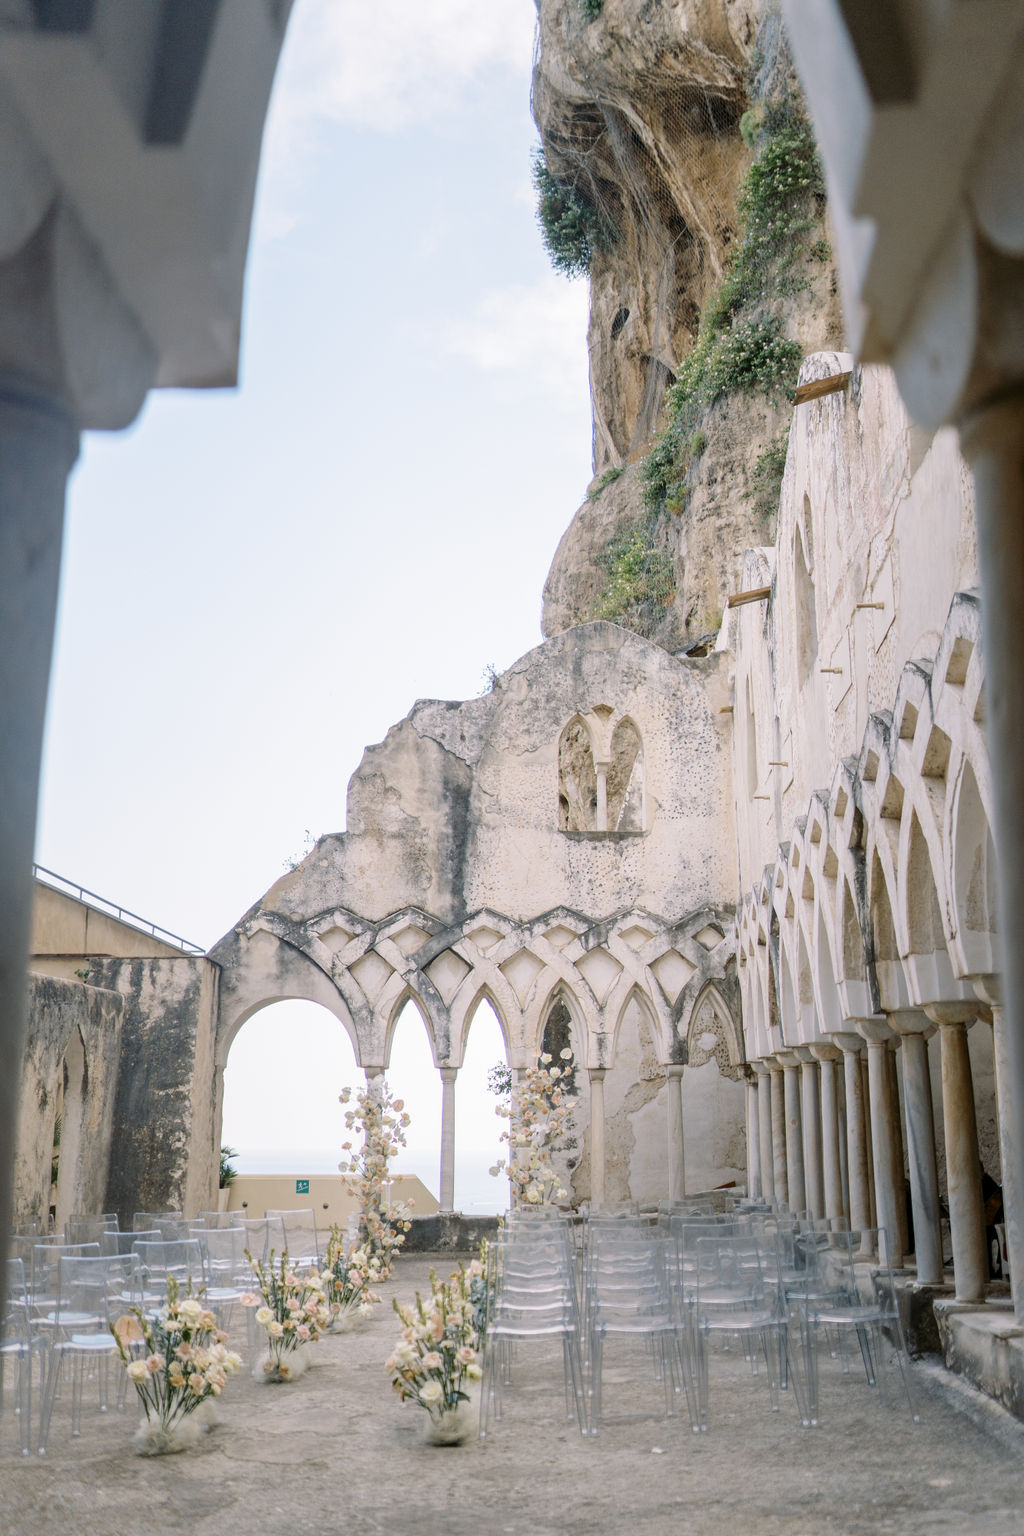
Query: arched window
x: 626, y: 780
x: 577, y: 780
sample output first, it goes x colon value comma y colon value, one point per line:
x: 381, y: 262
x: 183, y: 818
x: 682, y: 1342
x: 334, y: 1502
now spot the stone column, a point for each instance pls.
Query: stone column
x: 448, y: 1076
x: 597, y: 1196
x: 886, y: 1145
x: 831, y: 1161
x: 754, y: 1182
x: 810, y: 1096
x: 794, y: 1132
x: 856, y: 1131
x: 993, y: 443
x: 1011, y: 1142
x: 764, y: 1130
x: 780, y: 1172
x: 601, y: 813
x: 676, y: 1151
x: 914, y: 1028
x: 963, y: 1164
x: 38, y: 446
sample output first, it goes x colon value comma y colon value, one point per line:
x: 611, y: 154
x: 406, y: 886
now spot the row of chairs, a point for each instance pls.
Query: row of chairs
x: 61, y: 1297
x: 787, y: 1294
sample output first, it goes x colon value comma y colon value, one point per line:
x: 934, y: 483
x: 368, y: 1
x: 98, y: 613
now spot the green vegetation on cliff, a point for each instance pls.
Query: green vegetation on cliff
x: 572, y: 226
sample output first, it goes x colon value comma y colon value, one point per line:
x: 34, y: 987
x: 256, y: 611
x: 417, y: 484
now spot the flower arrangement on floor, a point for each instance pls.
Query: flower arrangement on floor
x: 437, y: 1358
x: 178, y: 1361
x: 539, y: 1112
x: 382, y: 1121
x: 294, y: 1313
x: 348, y: 1275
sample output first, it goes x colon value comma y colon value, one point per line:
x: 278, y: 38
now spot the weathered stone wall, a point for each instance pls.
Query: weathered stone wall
x: 84, y: 1025
x: 163, y: 1151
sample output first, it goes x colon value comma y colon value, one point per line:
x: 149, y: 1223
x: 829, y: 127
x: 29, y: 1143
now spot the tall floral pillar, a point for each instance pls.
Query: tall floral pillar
x: 128, y: 159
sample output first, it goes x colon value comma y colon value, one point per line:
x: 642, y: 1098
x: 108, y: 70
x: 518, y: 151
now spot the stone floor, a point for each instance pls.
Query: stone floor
x: 337, y: 1452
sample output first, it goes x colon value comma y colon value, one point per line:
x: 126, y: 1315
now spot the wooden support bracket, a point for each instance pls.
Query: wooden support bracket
x: 755, y: 595
x: 833, y: 385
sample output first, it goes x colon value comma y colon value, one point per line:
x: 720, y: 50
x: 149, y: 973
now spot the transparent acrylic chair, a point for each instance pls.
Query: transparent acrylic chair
x: 838, y: 1310
x: 531, y: 1300
x: 300, y: 1237
x: 20, y: 1344
x: 90, y: 1296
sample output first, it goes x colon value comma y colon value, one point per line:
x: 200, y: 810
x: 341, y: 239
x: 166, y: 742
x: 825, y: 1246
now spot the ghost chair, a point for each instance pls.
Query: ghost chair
x: 90, y: 1295
x: 113, y: 1243
x: 531, y: 1301
x: 20, y: 1344
x: 42, y: 1278
x: 227, y: 1270
x: 300, y: 1236
x: 171, y: 1225
x: 837, y: 1311
x: 180, y: 1260
x: 88, y: 1229
x: 734, y: 1302
x: 628, y: 1301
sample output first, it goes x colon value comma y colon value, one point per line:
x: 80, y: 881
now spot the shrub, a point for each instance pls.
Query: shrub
x: 590, y: 8
x: 608, y: 478
x: 764, y: 481
x: 641, y: 578
x: 572, y: 226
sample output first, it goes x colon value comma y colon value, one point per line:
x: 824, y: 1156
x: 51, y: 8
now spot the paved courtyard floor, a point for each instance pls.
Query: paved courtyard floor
x: 337, y: 1452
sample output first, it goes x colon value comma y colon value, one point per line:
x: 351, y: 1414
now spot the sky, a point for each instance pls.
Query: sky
x: 258, y: 583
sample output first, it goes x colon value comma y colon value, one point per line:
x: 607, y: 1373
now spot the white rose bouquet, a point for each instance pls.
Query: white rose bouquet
x: 292, y: 1311
x: 437, y: 1358
x: 177, y: 1360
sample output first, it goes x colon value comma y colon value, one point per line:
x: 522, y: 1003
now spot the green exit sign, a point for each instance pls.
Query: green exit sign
x: 302, y: 1186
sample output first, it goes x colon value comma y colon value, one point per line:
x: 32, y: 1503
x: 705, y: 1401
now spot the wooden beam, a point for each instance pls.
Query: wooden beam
x: 755, y: 595
x: 818, y: 387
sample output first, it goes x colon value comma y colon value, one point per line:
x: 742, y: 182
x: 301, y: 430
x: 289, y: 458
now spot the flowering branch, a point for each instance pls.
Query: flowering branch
x: 383, y: 1122
x: 539, y: 1112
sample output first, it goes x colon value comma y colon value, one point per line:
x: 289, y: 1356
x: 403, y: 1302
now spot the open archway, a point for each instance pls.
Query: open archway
x: 478, y: 1127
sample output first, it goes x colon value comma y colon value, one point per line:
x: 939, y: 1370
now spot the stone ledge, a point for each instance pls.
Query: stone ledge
x: 986, y: 1346
x: 449, y: 1232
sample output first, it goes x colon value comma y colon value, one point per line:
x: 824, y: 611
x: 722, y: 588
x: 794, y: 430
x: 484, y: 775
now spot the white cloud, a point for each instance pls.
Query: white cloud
x: 538, y: 332
x: 384, y: 64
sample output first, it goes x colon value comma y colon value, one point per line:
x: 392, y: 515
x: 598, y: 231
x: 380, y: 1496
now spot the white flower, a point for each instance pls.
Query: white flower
x: 191, y: 1311
x: 431, y: 1393
x: 138, y: 1371
x: 264, y: 1316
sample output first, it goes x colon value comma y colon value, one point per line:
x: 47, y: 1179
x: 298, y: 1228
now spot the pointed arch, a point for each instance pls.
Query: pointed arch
x: 577, y: 778
x: 712, y: 1017
x: 626, y: 787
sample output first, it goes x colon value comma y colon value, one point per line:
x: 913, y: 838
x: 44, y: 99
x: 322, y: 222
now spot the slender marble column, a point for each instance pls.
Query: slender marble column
x: 914, y: 1028
x: 1011, y: 1146
x: 870, y: 1139
x: 794, y: 1132
x: 963, y: 1164
x: 676, y: 1151
x: 38, y: 446
x: 885, y: 1143
x: 764, y: 1130
x: 778, y: 1104
x: 754, y: 1183
x: 601, y: 813
x: 448, y: 1076
x: 597, y: 1195
x: 993, y: 443
x: 831, y: 1162
x: 856, y: 1131
x: 810, y: 1103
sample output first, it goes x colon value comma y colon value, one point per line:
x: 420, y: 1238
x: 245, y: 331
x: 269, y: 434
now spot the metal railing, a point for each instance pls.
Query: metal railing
x: 111, y: 909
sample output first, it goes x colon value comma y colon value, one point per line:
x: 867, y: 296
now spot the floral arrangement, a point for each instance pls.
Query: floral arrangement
x: 382, y: 1121
x: 177, y: 1360
x: 347, y: 1275
x: 539, y: 1111
x: 293, y: 1312
x: 437, y: 1357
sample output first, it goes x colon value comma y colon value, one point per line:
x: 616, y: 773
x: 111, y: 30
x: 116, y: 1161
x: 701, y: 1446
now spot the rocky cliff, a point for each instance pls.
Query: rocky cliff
x: 639, y: 105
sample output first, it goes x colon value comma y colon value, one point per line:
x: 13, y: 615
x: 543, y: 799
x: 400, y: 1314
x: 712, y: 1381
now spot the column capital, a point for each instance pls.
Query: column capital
x: 849, y: 1043
x: 374, y: 1071
x: 951, y: 1013
x: 910, y: 1021
x: 597, y: 1074
x: 824, y: 1050
x: 788, y: 1060
x: 674, y: 1069
x: 875, y: 1031
x: 761, y: 1067
x: 803, y: 1053
x: 448, y: 1074
x: 989, y: 990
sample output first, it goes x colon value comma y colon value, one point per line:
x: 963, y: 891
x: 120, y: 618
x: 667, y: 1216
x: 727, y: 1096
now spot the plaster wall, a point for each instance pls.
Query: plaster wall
x: 84, y: 1024
x: 66, y: 931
